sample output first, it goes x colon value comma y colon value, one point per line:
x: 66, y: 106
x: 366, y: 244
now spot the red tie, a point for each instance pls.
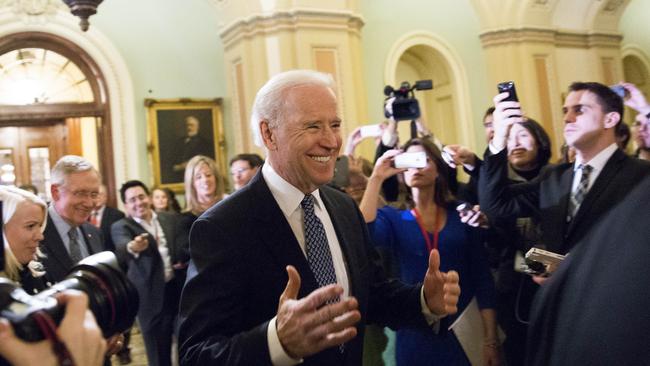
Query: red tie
x: 93, y: 219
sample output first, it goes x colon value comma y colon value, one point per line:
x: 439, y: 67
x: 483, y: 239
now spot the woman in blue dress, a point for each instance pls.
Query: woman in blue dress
x: 432, y: 222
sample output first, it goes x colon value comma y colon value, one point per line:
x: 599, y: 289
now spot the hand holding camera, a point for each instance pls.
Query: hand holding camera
x: 78, y: 331
x: 472, y: 215
x: 507, y: 111
x: 384, y: 167
x: 455, y: 155
x: 632, y: 97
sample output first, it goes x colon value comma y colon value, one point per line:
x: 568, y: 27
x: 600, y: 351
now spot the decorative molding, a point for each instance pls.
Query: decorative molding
x: 559, y: 38
x: 33, y: 11
x: 612, y: 6
x: 290, y: 20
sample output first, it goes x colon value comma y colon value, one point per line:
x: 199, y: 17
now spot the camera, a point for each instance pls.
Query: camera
x: 405, y: 106
x: 542, y: 262
x: 111, y: 297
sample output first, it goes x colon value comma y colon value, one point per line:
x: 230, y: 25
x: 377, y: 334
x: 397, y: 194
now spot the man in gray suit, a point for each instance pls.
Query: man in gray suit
x: 145, y: 242
x: 68, y: 237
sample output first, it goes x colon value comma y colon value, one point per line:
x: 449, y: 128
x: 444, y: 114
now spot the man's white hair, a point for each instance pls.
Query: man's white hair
x: 67, y: 165
x: 270, y: 100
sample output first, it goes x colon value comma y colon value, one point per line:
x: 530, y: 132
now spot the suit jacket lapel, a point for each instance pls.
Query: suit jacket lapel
x: 274, y: 231
x: 93, y: 242
x: 55, y: 246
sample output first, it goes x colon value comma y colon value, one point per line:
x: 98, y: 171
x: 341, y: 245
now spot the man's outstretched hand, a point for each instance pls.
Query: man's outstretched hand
x: 310, y: 325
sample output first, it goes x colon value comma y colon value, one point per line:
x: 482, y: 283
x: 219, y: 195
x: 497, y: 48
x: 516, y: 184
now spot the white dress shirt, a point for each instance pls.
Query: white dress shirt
x: 288, y: 198
x: 155, y: 230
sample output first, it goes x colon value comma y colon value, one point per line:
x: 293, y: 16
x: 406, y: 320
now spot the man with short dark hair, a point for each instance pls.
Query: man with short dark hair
x: 146, y: 244
x: 243, y: 168
x: 567, y: 198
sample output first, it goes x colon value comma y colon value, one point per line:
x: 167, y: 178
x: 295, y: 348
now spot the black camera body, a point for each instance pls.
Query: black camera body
x: 112, y: 298
x: 405, y: 106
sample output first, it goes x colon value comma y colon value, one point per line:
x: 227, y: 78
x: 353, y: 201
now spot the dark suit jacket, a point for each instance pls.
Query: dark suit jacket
x: 547, y: 196
x: 109, y: 216
x: 239, y: 251
x: 147, y: 271
x: 594, y: 309
x: 57, y: 261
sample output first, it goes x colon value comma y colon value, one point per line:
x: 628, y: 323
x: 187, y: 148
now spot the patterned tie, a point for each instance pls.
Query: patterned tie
x: 317, y: 247
x: 75, y: 250
x: 579, y: 194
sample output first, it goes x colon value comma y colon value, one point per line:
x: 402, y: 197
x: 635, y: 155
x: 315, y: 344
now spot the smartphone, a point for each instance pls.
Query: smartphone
x: 464, y: 208
x: 508, y: 87
x: 620, y: 91
x: 542, y: 262
x: 371, y: 131
x: 341, y: 177
x: 410, y: 160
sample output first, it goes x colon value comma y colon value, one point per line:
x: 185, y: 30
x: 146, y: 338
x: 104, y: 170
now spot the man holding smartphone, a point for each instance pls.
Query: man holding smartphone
x: 146, y: 243
x: 566, y: 198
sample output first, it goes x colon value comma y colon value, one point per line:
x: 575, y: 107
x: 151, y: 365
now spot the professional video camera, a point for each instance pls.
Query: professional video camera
x: 405, y: 106
x: 111, y: 297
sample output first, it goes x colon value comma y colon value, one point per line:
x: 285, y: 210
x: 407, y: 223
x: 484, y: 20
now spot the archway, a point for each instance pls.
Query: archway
x: 117, y: 88
x: 446, y: 108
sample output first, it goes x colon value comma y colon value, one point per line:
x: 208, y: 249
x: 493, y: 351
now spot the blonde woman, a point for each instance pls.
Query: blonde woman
x: 23, y: 222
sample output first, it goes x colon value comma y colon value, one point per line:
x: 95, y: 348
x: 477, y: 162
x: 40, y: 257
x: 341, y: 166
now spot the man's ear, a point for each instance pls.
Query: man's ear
x: 612, y: 119
x: 55, y: 192
x: 268, y: 135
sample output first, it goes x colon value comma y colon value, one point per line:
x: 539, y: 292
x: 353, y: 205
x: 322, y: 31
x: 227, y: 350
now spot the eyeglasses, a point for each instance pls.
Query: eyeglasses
x: 83, y: 194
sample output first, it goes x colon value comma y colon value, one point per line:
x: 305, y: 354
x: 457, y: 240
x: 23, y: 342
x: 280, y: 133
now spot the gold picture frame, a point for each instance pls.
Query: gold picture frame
x: 179, y: 129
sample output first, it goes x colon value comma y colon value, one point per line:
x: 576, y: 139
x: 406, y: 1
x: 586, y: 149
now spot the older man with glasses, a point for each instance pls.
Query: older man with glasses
x: 68, y: 237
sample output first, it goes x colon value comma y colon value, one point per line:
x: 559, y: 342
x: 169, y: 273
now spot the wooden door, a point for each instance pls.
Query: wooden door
x: 29, y: 152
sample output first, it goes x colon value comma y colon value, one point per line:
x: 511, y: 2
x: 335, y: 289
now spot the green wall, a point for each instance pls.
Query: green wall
x: 452, y: 20
x: 635, y: 25
x: 172, y: 50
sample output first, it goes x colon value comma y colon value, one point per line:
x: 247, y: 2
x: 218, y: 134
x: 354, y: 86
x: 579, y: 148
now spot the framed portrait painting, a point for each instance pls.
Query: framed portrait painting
x: 180, y: 129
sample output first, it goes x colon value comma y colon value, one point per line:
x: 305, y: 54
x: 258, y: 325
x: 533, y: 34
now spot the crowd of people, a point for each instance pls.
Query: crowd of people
x: 292, y: 266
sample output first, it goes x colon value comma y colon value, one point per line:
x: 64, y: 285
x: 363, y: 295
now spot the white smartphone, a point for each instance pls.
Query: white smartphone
x: 371, y: 131
x: 410, y: 160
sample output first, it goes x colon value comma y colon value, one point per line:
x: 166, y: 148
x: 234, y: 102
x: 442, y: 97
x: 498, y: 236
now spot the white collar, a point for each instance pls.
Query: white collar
x: 598, y: 162
x: 286, y: 195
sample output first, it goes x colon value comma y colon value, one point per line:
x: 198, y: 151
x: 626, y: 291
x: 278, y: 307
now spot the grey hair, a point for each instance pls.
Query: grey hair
x: 70, y: 164
x: 269, y: 102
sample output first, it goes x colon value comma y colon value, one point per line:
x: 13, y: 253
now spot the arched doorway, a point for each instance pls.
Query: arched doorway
x: 61, y: 107
x: 445, y: 108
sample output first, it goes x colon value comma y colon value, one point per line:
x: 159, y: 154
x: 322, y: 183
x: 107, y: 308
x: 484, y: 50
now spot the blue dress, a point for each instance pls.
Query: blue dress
x: 461, y: 250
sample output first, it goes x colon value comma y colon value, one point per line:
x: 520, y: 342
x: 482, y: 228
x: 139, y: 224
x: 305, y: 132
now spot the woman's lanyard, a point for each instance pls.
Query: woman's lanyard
x: 427, y: 238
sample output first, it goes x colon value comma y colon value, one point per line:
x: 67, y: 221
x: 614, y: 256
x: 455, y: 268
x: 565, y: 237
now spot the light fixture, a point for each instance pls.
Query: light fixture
x: 83, y: 9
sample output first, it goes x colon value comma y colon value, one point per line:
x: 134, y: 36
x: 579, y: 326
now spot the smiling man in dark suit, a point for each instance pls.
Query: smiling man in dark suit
x: 146, y: 244
x: 282, y: 271
x: 566, y: 198
x: 68, y: 237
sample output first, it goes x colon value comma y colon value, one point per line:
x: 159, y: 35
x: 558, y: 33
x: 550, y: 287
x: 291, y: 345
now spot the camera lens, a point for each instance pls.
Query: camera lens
x: 111, y: 296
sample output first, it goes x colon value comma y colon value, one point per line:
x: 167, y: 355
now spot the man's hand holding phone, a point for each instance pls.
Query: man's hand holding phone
x: 139, y: 243
x: 507, y: 111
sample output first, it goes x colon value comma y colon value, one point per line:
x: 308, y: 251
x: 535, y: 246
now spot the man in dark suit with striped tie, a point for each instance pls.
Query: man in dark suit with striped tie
x: 283, y: 271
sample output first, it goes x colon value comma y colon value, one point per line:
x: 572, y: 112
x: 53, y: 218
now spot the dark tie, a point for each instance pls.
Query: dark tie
x: 75, y: 250
x: 317, y: 248
x: 579, y: 194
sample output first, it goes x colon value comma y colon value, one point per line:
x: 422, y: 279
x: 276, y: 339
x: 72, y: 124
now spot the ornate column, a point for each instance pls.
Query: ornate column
x: 263, y: 38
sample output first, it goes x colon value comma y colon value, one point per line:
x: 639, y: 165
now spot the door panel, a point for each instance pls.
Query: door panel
x: 34, y: 149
